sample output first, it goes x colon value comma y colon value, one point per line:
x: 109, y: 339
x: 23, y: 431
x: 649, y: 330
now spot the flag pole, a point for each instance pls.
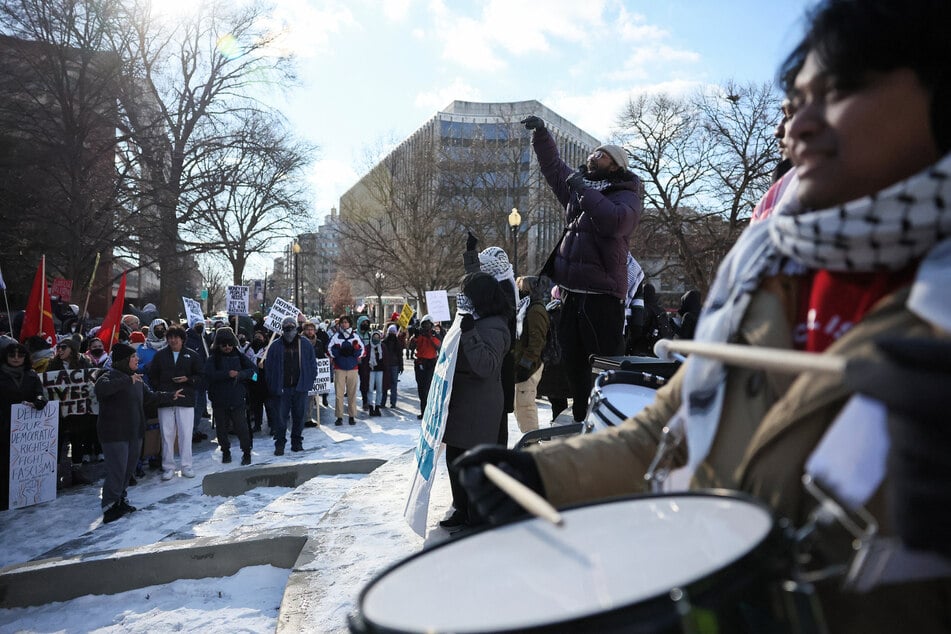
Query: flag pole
x: 82, y: 318
x: 6, y: 302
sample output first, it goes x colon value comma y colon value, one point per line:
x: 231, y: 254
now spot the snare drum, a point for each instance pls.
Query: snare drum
x: 694, y: 562
x: 619, y: 394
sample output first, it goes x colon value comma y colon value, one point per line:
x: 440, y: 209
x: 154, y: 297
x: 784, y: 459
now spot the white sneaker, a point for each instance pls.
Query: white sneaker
x: 187, y: 472
x: 167, y: 474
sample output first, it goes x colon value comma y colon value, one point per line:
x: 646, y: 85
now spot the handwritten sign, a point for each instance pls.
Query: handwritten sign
x: 33, y: 448
x: 405, y: 315
x: 193, y: 313
x: 73, y: 389
x: 322, y: 381
x: 281, y: 309
x: 438, y: 304
x: 238, y: 299
x: 62, y: 288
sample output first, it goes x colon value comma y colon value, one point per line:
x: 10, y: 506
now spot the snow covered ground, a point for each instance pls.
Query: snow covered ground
x: 357, y: 520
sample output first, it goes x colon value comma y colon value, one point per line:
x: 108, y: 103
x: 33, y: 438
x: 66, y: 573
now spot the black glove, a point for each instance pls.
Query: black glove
x: 471, y: 242
x: 576, y: 180
x: 522, y: 374
x: 467, y: 323
x: 533, y: 123
x: 487, y: 502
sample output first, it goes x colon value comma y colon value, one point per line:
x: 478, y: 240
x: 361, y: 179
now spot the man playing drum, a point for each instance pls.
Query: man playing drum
x: 853, y: 257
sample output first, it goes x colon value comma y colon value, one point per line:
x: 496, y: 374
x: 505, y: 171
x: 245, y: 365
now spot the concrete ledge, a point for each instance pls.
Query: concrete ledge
x: 234, y: 482
x: 50, y: 580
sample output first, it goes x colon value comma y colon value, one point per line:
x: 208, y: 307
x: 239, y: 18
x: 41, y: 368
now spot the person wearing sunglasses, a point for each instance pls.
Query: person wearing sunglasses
x: 18, y: 384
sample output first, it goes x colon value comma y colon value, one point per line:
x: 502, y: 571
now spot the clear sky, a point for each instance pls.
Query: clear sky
x: 373, y: 71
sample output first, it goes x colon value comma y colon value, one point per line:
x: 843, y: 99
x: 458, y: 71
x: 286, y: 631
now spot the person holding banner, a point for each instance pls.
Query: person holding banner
x: 18, y: 384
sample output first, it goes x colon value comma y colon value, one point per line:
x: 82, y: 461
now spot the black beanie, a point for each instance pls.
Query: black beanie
x: 121, y: 352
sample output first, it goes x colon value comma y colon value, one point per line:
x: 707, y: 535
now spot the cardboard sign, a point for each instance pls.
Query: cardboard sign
x: 193, y: 313
x: 281, y: 309
x: 73, y: 389
x: 238, y: 299
x: 438, y: 304
x: 62, y: 289
x: 322, y: 381
x: 33, y: 447
x: 405, y: 315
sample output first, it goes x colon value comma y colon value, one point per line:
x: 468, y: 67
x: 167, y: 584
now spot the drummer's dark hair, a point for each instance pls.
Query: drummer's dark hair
x: 854, y: 39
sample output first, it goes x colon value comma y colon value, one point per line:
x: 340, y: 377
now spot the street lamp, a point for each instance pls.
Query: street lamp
x: 515, y: 219
x: 380, y: 277
x: 320, y: 302
x: 296, y: 249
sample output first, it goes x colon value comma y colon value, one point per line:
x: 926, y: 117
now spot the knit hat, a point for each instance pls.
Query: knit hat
x: 394, y: 316
x: 225, y: 335
x: 391, y: 329
x: 137, y: 336
x: 616, y: 152
x: 121, y: 352
x: 287, y: 321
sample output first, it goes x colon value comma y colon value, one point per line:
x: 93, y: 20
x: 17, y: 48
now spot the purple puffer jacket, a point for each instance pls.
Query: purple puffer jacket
x: 593, y: 254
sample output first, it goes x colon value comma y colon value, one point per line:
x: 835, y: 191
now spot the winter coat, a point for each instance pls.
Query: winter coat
x: 223, y: 390
x: 30, y: 390
x: 592, y: 255
x: 345, y: 350
x: 769, y: 425
x: 163, y: 367
x: 122, y: 406
x: 477, y: 400
x: 528, y: 348
x: 323, y: 341
x: 393, y: 351
x: 274, y: 365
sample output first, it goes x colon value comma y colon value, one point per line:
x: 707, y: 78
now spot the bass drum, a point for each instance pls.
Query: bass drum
x: 695, y: 562
x: 617, y: 395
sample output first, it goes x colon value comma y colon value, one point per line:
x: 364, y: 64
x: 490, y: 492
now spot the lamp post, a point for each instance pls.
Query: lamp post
x: 296, y: 249
x: 515, y: 219
x: 320, y: 302
x: 380, y: 277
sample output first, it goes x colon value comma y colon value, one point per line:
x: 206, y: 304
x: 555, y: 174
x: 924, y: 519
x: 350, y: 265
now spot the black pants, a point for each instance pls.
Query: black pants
x: 424, y: 369
x: 460, y: 499
x: 590, y: 325
x: 228, y: 419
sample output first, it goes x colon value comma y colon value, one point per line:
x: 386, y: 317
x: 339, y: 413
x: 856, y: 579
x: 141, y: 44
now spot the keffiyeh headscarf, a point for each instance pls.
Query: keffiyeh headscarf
x: 495, y: 262
x: 885, y: 231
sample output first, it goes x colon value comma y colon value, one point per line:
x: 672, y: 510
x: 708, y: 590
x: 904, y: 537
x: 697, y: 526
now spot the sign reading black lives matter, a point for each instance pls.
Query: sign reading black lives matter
x: 73, y: 389
x: 239, y: 298
x: 322, y: 381
x: 33, y: 447
x: 281, y: 309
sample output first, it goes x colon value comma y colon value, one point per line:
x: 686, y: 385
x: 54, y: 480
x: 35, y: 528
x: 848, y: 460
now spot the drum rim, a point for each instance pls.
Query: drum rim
x: 612, y: 377
x: 754, y: 552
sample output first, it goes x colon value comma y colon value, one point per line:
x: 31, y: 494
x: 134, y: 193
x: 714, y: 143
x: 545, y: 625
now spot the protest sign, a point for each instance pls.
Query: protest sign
x: 405, y: 315
x: 73, y: 389
x: 281, y: 309
x: 322, y: 381
x: 438, y: 304
x: 62, y: 288
x: 193, y: 313
x: 238, y: 298
x: 33, y: 447
x: 431, y: 433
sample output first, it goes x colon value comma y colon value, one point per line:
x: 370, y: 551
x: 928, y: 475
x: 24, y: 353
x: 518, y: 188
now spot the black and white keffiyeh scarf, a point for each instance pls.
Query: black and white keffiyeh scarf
x: 886, y: 231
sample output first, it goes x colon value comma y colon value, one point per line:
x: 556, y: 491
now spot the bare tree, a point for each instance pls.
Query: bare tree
x: 184, y: 81
x: 340, y: 294
x: 705, y: 160
x: 215, y: 281
x: 251, y: 192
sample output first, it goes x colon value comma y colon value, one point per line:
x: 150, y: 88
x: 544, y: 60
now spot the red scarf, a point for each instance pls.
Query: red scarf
x: 833, y: 302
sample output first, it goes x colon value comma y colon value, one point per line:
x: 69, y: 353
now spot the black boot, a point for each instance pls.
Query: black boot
x: 246, y: 458
x: 226, y: 456
x: 338, y: 422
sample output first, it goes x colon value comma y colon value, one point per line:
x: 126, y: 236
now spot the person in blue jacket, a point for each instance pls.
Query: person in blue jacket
x: 290, y: 368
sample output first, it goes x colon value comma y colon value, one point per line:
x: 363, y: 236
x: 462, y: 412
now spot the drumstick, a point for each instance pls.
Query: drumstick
x: 526, y: 498
x: 787, y: 361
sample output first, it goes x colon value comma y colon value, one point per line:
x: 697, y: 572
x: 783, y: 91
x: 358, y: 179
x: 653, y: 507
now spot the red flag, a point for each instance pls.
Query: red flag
x: 38, y: 317
x: 109, y: 332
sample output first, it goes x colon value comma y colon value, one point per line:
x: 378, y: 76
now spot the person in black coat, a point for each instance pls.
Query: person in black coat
x: 173, y: 367
x: 122, y: 396
x: 227, y: 373
x: 18, y: 384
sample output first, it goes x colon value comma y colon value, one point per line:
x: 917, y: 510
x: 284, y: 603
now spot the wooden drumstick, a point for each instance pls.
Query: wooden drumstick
x: 787, y: 361
x: 526, y: 498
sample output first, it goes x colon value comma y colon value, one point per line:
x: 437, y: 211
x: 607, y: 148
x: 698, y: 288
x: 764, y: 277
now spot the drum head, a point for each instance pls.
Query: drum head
x: 531, y: 573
